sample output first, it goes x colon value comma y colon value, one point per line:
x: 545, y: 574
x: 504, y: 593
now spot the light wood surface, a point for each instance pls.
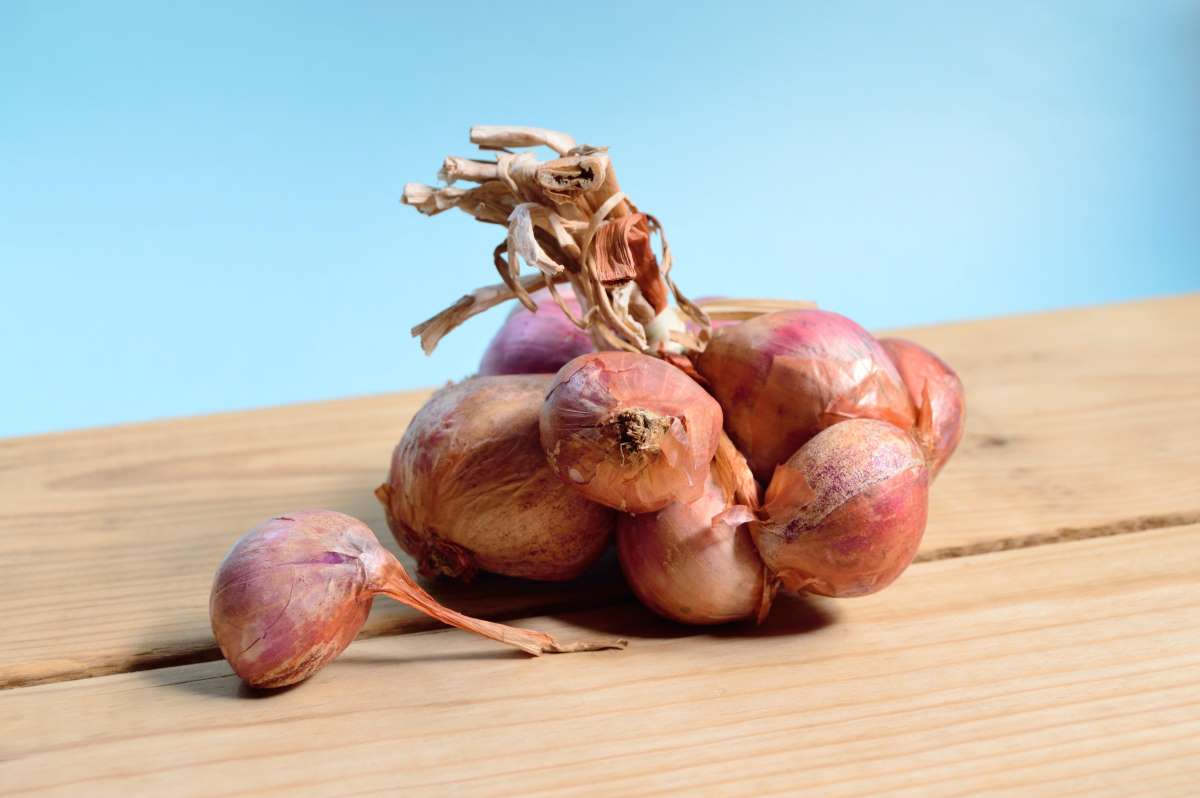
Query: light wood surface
x: 1068, y: 665
x: 1065, y: 669
x: 1081, y: 422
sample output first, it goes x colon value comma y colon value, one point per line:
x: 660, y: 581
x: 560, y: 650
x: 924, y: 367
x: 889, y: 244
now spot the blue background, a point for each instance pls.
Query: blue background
x: 198, y: 205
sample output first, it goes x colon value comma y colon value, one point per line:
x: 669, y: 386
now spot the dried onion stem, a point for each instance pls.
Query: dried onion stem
x: 568, y: 219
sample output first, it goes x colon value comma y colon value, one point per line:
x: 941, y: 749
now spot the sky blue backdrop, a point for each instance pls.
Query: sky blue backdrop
x: 198, y: 205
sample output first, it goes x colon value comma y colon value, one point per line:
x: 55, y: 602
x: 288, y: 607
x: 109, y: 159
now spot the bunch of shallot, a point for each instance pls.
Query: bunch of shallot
x: 732, y: 448
x: 844, y: 432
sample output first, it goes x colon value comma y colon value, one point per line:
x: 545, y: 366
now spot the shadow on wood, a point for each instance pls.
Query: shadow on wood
x: 790, y: 615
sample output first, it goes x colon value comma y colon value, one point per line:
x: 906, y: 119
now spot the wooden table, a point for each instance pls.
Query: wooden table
x: 1047, y: 642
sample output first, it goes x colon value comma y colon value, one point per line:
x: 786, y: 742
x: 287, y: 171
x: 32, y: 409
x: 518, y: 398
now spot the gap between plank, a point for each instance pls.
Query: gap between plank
x: 1064, y: 535
x: 207, y: 651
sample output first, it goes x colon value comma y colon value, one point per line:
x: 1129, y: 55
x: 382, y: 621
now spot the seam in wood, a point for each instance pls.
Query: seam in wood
x: 1143, y: 523
x: 208, y: 651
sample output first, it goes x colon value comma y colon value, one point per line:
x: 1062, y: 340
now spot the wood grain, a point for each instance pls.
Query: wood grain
x: 1080, y: 423
x: 1068, y: 669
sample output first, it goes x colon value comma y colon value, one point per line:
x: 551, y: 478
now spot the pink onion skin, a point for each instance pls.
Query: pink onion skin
x: 629, y: 431
x: 921, y: 370
x: 292, y: 593
x: 687, y: 568
x: 845, y: 515
x: 537, y: 343
x: 470, y: 489
x: 783, y: 377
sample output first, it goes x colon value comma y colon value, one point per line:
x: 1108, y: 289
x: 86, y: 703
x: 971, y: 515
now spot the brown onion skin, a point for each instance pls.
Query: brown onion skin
x: 686, y: 568
x: 923, y: 370
x: 845, y: 515
x: 629, y: 431
x: 469, y: 488
x: 292, y: 594
x: 783, y: 377
x: 537, y: 343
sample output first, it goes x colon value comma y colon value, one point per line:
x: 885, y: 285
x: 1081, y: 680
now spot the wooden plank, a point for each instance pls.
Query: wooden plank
x: 124, y: 528
x: 1055, y: 670
x: 1087, y: 419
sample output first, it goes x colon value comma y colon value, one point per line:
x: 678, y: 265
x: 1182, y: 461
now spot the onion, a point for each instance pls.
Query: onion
x: 537, y: 343
x: 783, y: 377
x: 470, y: 489
x: 844, y: 516
x: 938, y: 394
x: 630, y: 431
x: 695, y: 562
x: 295, y: 590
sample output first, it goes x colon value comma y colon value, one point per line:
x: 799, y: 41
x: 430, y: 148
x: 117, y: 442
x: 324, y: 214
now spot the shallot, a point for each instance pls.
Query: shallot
x: 469, y: 488
x: 845, y: 514
x: 938, y: 394
x: 537, y: 342
x: 629, y: 431
x: 783, y: 377
x: 295, y: 590
x: 695, y: 562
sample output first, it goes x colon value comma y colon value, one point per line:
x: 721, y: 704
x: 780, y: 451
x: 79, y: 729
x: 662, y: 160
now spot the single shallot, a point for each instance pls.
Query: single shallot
x: 844, y: 515
x: 630, y: 431
x: 537, y: 342
x: 938, y: 394
x: 695, y: 562
x: 469, y: 488
x: 783, y: 377
x: 295, y: 590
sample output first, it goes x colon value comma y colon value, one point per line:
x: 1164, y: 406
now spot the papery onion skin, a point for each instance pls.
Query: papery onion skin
x: 783, y: 377
x: 629, y: 431
x: 845, y: 515
x: 922, y: 370
x: 537, y: 343
x: 686, y: 568
x: 469, y: 488
x: 292, y: 594
x: 714, y: 324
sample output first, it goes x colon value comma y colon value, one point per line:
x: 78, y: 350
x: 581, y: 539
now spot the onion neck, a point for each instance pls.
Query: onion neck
x: 397, y: 584
x: 638, y: 432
